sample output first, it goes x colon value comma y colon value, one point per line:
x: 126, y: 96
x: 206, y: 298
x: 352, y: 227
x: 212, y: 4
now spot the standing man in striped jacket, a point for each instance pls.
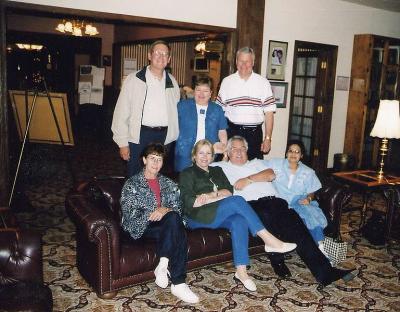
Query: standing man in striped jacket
x: 248, y: 103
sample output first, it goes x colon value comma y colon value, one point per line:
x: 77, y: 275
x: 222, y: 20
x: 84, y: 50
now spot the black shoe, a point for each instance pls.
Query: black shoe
x: 281, y: 269
x: 337, y: 274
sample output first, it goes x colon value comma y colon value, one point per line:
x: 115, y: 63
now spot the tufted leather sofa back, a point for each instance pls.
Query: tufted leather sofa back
x: 105, y: 193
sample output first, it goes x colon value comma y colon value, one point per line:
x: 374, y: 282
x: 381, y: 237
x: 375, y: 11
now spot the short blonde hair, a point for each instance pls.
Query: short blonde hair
x: 199, y: 145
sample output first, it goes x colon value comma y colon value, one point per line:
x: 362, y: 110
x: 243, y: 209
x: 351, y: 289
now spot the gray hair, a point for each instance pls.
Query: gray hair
x: 246, y: 50
x: 236, y: 138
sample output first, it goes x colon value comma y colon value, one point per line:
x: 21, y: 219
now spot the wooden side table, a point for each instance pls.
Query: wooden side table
x: 367, y: 182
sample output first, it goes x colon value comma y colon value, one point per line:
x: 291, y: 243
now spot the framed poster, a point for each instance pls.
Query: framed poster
x: 277, y: 52
x: 201, y: 64
x: 279, y: 89
x: 43, y: 127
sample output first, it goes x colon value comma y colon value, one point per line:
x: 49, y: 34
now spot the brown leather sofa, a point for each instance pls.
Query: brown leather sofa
x: 109, y: 260
x: 21, y: 268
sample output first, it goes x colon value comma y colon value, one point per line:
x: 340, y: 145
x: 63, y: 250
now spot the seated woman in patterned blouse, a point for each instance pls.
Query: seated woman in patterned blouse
x: 151, y: 207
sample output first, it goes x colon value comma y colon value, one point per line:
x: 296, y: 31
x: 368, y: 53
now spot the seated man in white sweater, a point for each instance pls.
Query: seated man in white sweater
x: 252, y: 180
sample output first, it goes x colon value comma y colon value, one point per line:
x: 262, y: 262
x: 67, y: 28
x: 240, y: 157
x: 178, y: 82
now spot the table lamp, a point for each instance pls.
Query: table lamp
x: 387, y: 126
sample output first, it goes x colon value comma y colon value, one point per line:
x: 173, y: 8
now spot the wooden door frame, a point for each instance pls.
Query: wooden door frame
x: 325, y: 119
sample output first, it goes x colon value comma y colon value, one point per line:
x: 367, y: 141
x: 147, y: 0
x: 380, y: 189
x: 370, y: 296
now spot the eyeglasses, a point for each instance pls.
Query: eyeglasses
x: 294, y: 151
x: 238, y: 149
x: 160, y: 53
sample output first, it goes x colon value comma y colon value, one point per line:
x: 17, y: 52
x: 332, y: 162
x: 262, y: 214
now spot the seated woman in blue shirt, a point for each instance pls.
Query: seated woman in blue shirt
x: 297, y: 183
x: 208, y: 203
x: 199, y: 118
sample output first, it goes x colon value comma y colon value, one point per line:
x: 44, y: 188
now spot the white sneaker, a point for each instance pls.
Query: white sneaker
x: 183, y: 292
x: 161, y: 272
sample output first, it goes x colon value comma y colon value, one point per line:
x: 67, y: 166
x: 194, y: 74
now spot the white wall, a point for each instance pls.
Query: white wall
x: 206, y: 12
x: 324, y: 21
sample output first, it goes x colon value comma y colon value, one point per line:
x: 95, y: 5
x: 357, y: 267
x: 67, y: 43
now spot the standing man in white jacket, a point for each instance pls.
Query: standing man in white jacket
x: 146, y: 110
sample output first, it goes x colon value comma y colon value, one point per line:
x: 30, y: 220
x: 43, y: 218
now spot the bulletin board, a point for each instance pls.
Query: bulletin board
x: 43, y: 127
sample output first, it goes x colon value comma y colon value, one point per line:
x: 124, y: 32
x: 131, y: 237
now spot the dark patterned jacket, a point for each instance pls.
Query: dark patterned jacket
x: 138, y: 202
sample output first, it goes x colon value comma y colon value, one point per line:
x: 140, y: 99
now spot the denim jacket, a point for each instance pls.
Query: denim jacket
x: 187, y: 118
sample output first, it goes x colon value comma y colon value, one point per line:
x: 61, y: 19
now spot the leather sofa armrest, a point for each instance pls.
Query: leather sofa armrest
x: 332, y: 198
x: 97, y: 241
x: 20, y: 256
x: 90, y: 220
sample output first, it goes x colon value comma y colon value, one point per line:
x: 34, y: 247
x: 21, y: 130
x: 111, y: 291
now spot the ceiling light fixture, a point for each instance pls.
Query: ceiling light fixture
x: 77, y: 28
x: 28, y: 46
x: 201, y: 47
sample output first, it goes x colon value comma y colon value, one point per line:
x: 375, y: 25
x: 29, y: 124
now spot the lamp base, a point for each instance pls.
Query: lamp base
x: 383, y: 149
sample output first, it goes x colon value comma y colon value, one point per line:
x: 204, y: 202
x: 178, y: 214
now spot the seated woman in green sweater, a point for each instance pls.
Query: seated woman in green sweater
x: 208, y: 203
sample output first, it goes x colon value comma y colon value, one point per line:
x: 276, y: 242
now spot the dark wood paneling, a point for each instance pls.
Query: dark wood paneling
x: 368, y: 86
x: 4, y: 163
x: 250, y: 26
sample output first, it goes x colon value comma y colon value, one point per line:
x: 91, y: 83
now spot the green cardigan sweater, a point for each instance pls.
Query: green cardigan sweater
x: 195, y: 181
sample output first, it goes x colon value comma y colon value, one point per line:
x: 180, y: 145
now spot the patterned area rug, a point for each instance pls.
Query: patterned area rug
x: 375, y: 288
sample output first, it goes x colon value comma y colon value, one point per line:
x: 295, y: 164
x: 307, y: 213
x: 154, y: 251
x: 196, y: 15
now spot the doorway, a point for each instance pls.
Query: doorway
x: 313, y: 83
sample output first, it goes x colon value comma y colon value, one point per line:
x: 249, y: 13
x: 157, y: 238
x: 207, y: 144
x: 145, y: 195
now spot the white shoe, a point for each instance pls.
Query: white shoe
x: 248, y: 284
x: 286, y: 247
x: 183, y: 292
x: 161, y: 272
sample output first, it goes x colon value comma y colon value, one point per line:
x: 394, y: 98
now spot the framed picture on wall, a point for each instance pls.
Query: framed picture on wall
x: 201, y: 64
x: 279, y: 89
x: 277, y: 52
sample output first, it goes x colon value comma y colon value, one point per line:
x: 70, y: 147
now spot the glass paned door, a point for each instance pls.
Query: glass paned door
x: 304, y: 98
x: 313, y: 82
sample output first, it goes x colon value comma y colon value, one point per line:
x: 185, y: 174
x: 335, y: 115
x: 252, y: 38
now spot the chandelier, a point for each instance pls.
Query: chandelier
x: 201, y: 47
x: 77, y: 28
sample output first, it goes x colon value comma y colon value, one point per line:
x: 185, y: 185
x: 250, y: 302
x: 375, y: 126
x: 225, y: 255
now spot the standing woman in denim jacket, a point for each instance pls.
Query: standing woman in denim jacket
x: 198, y: 119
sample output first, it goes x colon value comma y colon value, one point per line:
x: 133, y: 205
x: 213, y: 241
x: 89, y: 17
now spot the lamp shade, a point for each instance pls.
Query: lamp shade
x: 387, y: 124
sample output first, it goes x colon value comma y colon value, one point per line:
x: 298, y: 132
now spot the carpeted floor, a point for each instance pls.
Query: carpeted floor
x: 375, y: 288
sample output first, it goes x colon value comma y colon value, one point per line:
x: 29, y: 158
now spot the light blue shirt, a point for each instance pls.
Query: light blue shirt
x: 305, y: 180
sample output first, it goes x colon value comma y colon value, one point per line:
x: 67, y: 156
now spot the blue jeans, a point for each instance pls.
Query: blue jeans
x: 147, y: 136
x: 171, y: 239
x: 236, y: 215
x: 317, y: 234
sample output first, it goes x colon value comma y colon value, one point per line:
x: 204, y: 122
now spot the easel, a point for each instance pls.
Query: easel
x: 28, y: 123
